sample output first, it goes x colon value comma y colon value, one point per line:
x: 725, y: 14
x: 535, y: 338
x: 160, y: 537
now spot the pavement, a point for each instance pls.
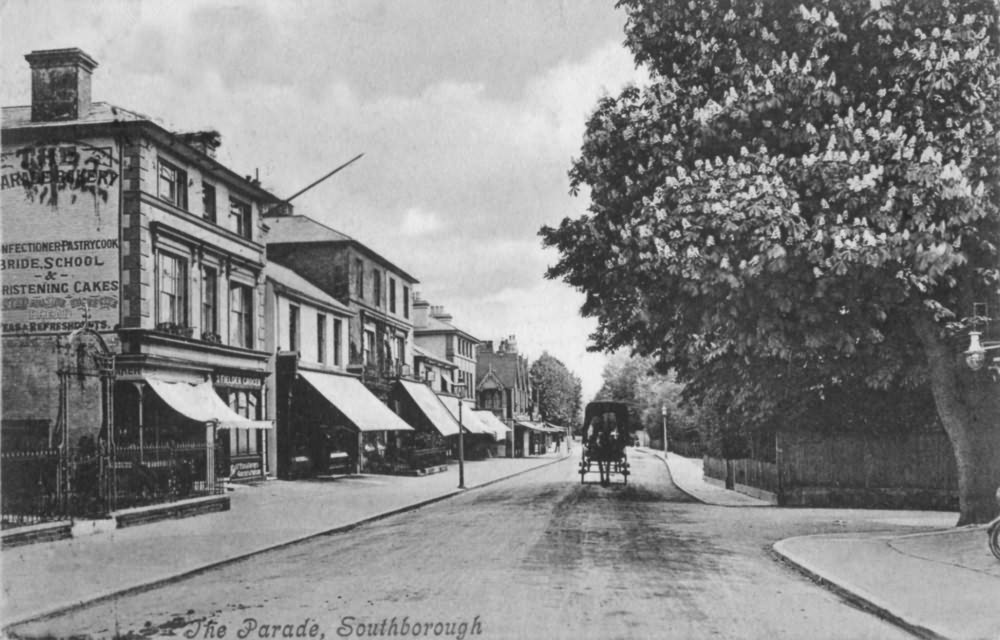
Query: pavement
x: 942, y: 583
x: 45, y: 579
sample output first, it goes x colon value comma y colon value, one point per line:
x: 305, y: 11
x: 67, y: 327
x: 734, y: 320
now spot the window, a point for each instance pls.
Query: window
x: 320, y: 337
x: 209, y: 300
x: 401, y: 350
x: 337, y: 324
x: 392, y: 295
x: 359, y: 279
x: 173, y: 290
x: 172, y: 184
x: 377, y: 287
x: 243, y: 442
x: 293, y: 328
x: 239, y: 218
x: 369, y: 345
x: 208, y: 201
x: 241, y: 316
x: 406, y: 302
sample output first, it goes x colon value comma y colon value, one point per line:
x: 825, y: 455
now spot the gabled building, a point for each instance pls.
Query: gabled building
x: 503, y: 387
x: 378, y: 293
x: 136, y: 236
x: 436, y: 334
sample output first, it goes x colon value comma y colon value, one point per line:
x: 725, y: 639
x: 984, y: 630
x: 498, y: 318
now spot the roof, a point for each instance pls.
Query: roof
x: 296, y: 285
x: 19, y: 117
x: 103, y: 114
x: 299, y: 229
x: 427, y: 355
x: 509, y: 368
x: 437, y: 325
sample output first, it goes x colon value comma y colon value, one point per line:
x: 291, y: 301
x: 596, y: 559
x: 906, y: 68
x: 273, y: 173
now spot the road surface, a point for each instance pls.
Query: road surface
x: 537, y: 556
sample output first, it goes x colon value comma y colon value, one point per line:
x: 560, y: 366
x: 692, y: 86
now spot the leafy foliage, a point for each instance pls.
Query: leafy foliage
x: 795, y: 184
x: 559, y: 390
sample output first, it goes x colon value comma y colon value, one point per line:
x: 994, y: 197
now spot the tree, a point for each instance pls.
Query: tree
x: 559, y: 391
x: 621, y: 375
x: 803, y: 193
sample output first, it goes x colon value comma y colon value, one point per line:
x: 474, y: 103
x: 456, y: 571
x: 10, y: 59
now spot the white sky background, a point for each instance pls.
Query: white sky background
x: 468, y: 113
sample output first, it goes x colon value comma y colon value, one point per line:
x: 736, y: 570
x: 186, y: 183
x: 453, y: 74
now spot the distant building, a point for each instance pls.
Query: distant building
x: 378, y: 293
x: 503, y: 387
x: 140, y: 242
x: 435, y: 333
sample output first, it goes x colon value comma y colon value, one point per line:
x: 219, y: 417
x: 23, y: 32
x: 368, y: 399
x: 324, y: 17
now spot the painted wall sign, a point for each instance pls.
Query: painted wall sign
x: 59, y: 261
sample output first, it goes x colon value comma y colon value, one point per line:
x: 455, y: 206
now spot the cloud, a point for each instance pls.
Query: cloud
x: 417, y: 222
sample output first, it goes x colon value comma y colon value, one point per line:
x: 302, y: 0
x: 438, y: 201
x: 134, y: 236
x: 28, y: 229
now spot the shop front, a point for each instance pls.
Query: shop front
x: 329, y: 423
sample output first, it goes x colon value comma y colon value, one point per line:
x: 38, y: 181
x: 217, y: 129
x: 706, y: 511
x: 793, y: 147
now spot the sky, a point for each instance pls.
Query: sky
x: 468, y: 114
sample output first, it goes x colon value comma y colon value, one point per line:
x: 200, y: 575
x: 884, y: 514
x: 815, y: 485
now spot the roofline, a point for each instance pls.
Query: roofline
x: 349, y: 241
x: 292, y: 292
x: 155, y: 130
x: 430, y: 332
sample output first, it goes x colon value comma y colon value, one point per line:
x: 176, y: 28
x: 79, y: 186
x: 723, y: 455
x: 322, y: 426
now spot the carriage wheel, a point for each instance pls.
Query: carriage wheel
x: 994, y: 533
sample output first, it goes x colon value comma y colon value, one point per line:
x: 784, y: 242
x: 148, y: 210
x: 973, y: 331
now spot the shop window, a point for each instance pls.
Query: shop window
x: 209, y: 301
x: 241, y: 316
x: 406, y: 302
x: 392, y: 295
x: 377, y: 287
x: 244, y: 442
x: 208, y: 201
x: 172, y: 301
x: 293, y: 328
x: 337, y: 337
x: 239, y: 218
x: 172, y: 184
x: 320, y: 337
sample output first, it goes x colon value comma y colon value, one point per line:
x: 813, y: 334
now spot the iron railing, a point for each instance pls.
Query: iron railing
x: 47, y: 485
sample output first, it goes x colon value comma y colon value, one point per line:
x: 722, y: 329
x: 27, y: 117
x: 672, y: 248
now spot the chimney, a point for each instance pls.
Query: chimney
x: 439, y: 313
x: 487, y: 347
x: 205, y: 141
x: 60, y: 84
x: 420, y: 307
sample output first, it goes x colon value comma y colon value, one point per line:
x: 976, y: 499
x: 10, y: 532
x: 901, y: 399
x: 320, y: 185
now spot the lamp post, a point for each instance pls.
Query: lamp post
x: 663, y: 414
x: 461, y: 436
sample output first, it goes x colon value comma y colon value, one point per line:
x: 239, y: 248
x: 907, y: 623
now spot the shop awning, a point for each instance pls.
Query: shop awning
x: 534, y: 426
x: 432, y: 407
x: 355, y: 401
x: 201, y: 403
x: 554, y: 428
x: 492, y: 422
x: 469, y: 420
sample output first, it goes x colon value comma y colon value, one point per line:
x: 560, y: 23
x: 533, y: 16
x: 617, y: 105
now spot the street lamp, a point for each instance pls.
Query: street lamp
x: 975, y: 355
x: 663, y: 414
x: 455, y: 388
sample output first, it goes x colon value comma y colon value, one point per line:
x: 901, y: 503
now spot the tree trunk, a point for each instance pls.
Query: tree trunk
x: 968, y: 404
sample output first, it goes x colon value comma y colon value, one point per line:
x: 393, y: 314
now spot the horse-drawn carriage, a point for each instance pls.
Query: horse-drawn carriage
x: 607, y: 430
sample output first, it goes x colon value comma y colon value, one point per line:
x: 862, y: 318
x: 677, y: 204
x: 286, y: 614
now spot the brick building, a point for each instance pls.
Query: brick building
x: 503, y: 387
x: 378, y: 293
x: 138, y: 234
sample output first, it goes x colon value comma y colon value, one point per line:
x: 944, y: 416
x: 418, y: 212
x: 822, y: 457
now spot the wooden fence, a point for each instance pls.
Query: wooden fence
x: 915, y: 470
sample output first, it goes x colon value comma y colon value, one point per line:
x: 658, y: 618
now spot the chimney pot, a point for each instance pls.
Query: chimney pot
x: 60, y: 84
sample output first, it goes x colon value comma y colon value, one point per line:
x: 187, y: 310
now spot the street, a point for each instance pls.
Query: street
x: 537, y: 556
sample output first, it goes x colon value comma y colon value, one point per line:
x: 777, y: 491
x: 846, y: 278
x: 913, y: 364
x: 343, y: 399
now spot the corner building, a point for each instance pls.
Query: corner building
x: 139, y: 236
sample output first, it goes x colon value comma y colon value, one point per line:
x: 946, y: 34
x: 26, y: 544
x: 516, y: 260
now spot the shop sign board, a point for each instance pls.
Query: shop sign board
x: 59, y: 258
x: 245, y: 469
